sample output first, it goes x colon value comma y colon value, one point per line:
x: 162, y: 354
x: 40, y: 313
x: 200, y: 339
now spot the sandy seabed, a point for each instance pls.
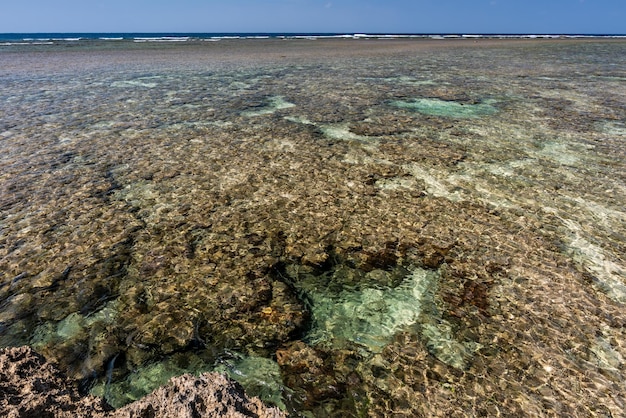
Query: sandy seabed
x: 346, y: 227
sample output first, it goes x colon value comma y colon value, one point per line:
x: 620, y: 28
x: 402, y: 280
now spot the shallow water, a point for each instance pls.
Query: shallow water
x: 427, y: 229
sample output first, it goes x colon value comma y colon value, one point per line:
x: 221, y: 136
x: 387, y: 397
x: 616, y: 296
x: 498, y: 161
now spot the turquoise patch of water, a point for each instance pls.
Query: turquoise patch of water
x: 273, y: 104
x: 73, y: 326
x: 258, y: 375
x: 346, y: 314
x: 370, y: 316
x: 143, y: 381
x: 445, y: 108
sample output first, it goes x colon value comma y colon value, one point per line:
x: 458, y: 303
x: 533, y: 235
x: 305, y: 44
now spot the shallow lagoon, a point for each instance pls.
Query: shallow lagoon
x: 364, y: 227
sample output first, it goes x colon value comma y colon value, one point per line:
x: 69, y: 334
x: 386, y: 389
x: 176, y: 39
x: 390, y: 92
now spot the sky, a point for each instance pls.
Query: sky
x: 320, y: 16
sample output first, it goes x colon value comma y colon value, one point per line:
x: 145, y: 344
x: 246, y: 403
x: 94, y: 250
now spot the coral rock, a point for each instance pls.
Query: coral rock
x: 29, y: 387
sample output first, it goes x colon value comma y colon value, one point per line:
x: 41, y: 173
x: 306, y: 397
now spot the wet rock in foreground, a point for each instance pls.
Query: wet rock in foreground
x: 29, y: 386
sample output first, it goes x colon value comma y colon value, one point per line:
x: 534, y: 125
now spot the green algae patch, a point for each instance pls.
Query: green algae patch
x: 449, y: 109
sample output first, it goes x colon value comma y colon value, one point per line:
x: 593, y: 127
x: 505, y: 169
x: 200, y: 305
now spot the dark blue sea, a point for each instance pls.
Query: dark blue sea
x: 38, y: 38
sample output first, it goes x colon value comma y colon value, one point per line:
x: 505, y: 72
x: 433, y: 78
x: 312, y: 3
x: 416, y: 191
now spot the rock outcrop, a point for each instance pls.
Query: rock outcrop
x: 32, y: 387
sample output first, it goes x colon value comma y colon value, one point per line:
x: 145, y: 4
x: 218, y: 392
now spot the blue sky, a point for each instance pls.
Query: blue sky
x: 349, y: 16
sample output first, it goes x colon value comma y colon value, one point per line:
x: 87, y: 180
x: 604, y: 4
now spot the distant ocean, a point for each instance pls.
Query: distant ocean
x: 52, y: 38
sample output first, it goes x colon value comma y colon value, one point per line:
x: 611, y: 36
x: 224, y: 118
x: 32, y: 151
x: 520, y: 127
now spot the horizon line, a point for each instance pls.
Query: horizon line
x: 316, y: 33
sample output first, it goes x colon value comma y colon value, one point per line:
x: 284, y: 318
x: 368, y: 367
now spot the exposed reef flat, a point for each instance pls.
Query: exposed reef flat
x: 345, y: 227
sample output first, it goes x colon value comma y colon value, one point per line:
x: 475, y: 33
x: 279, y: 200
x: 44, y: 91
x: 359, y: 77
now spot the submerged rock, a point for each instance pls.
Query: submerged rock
x: 30, y: 386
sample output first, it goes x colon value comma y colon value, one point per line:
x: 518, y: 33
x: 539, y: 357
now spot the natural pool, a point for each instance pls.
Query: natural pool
x: 386, y: 227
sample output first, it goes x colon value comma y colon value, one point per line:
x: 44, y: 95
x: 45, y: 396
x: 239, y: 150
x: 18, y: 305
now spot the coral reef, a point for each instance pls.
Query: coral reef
x: 381, y: 228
